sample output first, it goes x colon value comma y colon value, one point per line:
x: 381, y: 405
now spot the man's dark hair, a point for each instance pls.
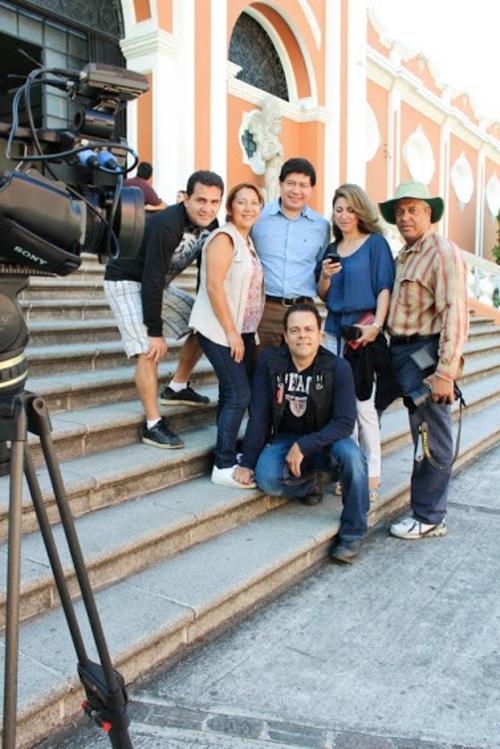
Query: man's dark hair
x: 298, y: 166
x: 302, y: 307
x: 144, y: 170
x: 204, y: 177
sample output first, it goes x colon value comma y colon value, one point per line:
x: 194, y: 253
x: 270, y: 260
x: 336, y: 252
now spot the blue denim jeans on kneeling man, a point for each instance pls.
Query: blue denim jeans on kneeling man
x: 343, y: 458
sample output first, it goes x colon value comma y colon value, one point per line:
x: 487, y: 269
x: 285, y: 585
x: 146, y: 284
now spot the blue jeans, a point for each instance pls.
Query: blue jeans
x: 234, y: 394
x: 343, y: 456
x: 429, y: 486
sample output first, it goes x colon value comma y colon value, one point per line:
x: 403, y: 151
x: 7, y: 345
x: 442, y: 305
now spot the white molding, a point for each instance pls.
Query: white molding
x: 233, y: 69
x: 312, y: 21
x: 293, y: 111
x: 419, y: 156
x: 385, y: 73
x: 480, y: 199
x: 462, y: 179
x: 444, y: 171
x: 280, y: 48
x: 149, y: 42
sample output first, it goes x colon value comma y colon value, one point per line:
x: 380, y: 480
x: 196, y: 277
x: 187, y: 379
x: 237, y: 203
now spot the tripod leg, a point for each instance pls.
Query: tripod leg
x: 113, y: 704
x: 13, y: 578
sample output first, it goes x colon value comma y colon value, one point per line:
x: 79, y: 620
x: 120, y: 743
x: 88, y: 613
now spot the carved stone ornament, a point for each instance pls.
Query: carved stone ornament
x: 493, y: 195
x: 418, y: 155
x: 262, y: 148
x: 462, y: 180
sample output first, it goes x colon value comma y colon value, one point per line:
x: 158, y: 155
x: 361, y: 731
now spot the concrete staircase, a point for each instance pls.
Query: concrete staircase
x: 171, y: 556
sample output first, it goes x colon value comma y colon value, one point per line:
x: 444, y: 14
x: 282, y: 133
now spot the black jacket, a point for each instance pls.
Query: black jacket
x: 163, y: 234
x: 331, y: 411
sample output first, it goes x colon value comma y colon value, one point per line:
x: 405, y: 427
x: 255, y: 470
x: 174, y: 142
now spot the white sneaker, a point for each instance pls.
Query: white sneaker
x: 224, y: 477
x: 411, y: 529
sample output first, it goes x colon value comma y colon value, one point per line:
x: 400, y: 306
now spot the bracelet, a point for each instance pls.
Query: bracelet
x: 377, y: 326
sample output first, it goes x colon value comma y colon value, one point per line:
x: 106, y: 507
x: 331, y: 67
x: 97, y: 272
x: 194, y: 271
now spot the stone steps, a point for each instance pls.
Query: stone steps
x: 159, y: 611
x: 39, y: 310
x: 172, y: 556
x: 119, y: 478
x: 72, y: 390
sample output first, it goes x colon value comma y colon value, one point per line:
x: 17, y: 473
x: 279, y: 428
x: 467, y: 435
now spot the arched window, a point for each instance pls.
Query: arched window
x: 252, y: 49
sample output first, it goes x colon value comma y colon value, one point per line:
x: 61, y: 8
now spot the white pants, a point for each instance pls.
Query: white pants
x: 367, y: 429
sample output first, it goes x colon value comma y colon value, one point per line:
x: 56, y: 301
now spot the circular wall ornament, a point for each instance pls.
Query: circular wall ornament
x: 372, y: 134
x: 493, y: 195
x: 418, y: 155
x: 462, y: 179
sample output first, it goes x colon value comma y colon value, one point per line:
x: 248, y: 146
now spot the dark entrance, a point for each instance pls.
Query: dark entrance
x: 62, y: 33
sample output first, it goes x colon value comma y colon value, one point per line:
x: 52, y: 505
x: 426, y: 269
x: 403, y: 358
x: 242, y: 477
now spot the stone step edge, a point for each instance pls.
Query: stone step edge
x: 41, y: 594
x: 86, y: 495
x: 42, y: 717
x: 48, y: 385
x: 69, y: 428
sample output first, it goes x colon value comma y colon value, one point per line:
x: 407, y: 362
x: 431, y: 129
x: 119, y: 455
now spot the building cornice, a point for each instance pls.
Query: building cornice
x: 148, y: 41
x: 389, y: 75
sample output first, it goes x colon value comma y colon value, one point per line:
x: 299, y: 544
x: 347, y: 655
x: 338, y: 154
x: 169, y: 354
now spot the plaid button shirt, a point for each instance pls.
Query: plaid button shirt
x: 430, y: 296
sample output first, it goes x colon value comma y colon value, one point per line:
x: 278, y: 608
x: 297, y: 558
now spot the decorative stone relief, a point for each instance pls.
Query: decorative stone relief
x: 418, y: 155
x: 493, y: 195
x: 462, y: 180
x: 262, y: 148
x: 372, y: 134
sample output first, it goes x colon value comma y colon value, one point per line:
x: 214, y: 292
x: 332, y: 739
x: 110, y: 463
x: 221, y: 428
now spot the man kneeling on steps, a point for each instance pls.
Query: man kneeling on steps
x: 302, y: 414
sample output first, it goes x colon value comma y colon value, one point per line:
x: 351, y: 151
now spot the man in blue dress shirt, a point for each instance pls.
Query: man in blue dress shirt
x: 290, y: 239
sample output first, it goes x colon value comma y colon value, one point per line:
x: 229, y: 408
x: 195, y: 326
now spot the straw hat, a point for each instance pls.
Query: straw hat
x: 412, y: 190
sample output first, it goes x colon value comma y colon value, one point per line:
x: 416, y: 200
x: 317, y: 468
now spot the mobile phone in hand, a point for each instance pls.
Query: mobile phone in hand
x: 332, y: 257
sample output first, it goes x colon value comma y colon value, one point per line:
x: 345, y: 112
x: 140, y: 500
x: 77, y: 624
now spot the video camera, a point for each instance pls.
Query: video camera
x: 66, y: 195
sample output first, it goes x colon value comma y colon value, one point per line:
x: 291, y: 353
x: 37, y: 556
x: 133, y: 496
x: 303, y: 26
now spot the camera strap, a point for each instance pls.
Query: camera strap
x: 423, y: 438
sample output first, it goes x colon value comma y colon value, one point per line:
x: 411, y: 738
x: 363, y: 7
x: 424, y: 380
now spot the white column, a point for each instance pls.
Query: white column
x: 444, y: 173
x: 356, y: 94
x: 218, y: 89
x: 480, y: 201
x: 170, y: 60
x: 393, y: 138
x: 333, y: 72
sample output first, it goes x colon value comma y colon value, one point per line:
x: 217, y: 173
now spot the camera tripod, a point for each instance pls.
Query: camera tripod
x: 106, y: 698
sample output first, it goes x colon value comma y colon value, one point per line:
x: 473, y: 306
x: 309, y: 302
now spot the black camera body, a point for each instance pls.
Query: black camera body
x: 417, y: 397
x: 351, y: 332
x: 66, y: 196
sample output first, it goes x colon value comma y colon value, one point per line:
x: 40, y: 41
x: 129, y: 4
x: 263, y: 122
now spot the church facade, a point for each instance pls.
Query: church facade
x: 346, y: 98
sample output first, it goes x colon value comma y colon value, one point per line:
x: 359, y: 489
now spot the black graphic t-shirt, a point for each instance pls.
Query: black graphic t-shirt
x: 294, y: 389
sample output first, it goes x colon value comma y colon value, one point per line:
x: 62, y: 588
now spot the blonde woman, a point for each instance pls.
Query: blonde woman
x: 226, y: 314
x: 357, y: 276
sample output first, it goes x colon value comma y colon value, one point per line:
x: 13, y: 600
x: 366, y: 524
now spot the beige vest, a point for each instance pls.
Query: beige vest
x: 236, y: 285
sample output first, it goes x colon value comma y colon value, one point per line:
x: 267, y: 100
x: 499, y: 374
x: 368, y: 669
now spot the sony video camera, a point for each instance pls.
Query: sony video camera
x: 66, y: 195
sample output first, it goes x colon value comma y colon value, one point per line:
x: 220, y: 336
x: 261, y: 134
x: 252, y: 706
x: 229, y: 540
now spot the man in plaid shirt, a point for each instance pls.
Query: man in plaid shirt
x: 428, y: 325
